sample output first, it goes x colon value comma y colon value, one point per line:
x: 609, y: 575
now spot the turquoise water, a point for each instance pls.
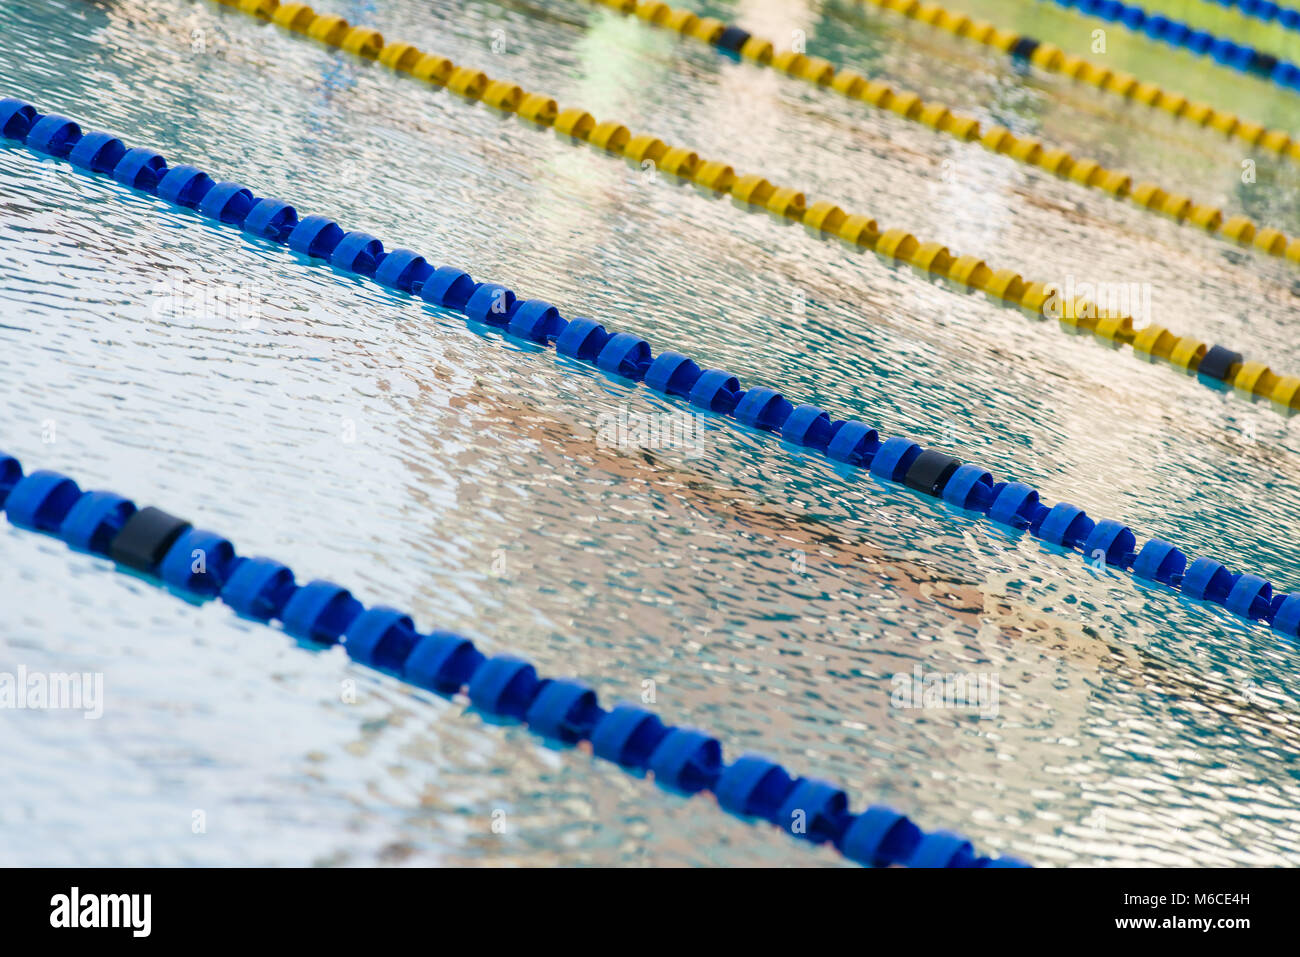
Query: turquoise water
x: 765, y: 594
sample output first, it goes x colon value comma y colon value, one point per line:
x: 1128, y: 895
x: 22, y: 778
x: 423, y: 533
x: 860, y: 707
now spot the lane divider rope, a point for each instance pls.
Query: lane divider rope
x: 733, y: 40
x: 970, y: 489
x: 1287, y: 18
x: 1027, y: 150
x: 1213, y: 366
x: 1225, y: 52
x: 1053, y: 59
x: 167, y: 549
x: 1226, y: 18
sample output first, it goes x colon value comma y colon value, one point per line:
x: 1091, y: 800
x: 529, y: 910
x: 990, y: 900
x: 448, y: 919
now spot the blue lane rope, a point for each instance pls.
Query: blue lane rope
x: 1238, y: 56
x: 204, y: 565
x: 965, y: 486
x: 1266, y: 10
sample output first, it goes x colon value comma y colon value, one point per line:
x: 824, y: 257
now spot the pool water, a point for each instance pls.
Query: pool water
x: 750, y: 589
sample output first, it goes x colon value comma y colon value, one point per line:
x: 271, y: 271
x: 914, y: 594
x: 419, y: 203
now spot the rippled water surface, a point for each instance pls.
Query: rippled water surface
x: 762, y: 593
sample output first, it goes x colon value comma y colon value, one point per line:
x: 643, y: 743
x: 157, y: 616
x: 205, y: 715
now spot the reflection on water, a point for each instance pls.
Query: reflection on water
x: 751, y: 589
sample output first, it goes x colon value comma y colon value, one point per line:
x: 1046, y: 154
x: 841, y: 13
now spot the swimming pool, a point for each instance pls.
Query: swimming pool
x: 751, y: 588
